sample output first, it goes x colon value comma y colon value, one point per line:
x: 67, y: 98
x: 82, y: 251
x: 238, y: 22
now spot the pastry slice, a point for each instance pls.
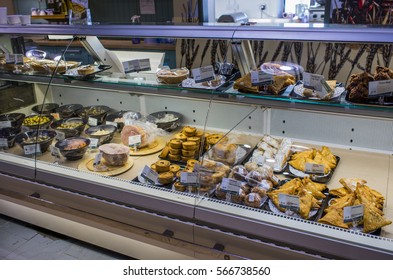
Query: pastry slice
x: 340, y: 192
x: 335, y: 217
x: 351, y: 183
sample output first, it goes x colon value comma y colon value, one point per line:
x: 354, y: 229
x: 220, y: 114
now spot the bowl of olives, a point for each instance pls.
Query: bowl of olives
x: 67, y: 128
x: 41, y: 137
x: 37, y: 121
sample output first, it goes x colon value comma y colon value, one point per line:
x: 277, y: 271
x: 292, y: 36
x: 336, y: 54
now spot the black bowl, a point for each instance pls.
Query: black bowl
x: 29, y: 122
x: 69, y: 110
x: 166, y: 120
x: 104, y: 133
x: 66, y: 128
x: 42, y: 137
x: 117, y: 117
x: 8, y: 133
x: 97, y: 112
x: 45, y: 109
x: 15, y: 119
x: 73, y: 148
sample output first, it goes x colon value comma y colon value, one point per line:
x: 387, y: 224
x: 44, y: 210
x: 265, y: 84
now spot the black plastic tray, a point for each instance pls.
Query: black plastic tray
x: 314, y: 177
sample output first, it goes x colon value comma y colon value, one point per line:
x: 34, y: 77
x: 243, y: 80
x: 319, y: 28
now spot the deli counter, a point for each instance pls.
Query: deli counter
x: 244, y: 164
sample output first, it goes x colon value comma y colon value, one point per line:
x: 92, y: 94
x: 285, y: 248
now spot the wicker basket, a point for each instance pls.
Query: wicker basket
x: 174, y: 76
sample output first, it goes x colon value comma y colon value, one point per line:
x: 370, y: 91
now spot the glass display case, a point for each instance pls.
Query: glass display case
x: 225, y: 153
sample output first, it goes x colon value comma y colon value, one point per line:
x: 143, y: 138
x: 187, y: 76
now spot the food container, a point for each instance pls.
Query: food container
x: 115, y: 154
x: 34, y: 122
x: 8, y: 133
x: 166, y: 120
x: 73, y: 148
x: 104, y: 133
x: 97, y: 112
x: 174, y: 76
x: 69, y: 110
x: 42, y: 137
x: 13, y: 120
x: 118, y: 118
x: 67, y: 128
x: 45, y: 109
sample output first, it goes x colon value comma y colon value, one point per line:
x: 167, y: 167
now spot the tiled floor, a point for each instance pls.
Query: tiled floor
x: 22, y: 241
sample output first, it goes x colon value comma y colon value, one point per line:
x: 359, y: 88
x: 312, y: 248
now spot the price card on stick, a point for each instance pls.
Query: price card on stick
x: 189, y: 178
x: 135, y: 140
x: 3, y: 143
x: 136, y: 65
x: 92, y: 121
x: 353, y: 213
x: 289, y: 202
x: 93, y: 143
x: 230, y: 185
x: 203, y: 74
x: 380, y: 87
x: 313, y: 81
x: 260, y: 78
x: 149, y: 175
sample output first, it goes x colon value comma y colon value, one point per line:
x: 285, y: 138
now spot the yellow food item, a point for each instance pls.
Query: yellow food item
x: 35, y: 120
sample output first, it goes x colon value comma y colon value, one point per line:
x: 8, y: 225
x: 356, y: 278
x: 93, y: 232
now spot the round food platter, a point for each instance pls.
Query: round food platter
x: 105, y: 169
x: 299, y: 89
x: 154, y: 147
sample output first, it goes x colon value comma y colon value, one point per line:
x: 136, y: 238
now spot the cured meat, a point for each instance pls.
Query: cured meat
x: 132, y: 130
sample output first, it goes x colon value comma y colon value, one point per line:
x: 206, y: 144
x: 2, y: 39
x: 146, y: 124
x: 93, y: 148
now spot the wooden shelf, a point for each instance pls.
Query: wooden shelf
x: 51, y: 17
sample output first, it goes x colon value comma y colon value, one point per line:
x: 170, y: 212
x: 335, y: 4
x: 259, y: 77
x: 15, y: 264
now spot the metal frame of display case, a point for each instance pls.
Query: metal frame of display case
x: 173, y: 218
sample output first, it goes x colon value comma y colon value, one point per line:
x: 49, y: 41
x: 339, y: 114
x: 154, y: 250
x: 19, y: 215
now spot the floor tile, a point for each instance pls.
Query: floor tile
x: 19, y: 229
x: 9, y: 242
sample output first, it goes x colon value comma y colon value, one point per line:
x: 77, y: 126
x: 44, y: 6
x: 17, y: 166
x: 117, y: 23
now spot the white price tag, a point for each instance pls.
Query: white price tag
x: 136, y: 65
x: 315, y: 168
x: 135, y: 140
x: 259, y: 78
x: 3, y: 143
x: 380, y: 87
x: 264, y: 184
x: 60, y: 135
x: 32, y: 149
x: 260, y: 160
x: 189, y: 178
x: 93, y: 143
x: 353, y: 213
x: 4, y: 124
x: 313, y: 81
x: 251, y: 197
x: 92, y: 121
x: 230, y: 185
x: 115, y: 124
x: 290, y: 202
x: 149, y: 175
x: 203, y: 74
x: 19, y: 59
x: 97, y: 159
x: 9, y: 58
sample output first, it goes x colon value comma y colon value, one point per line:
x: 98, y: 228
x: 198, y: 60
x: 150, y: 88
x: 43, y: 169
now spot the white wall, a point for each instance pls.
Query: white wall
x: 274, y: 8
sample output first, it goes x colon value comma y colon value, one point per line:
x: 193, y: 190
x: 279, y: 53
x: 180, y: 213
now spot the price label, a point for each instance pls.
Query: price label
x: 203, y: 74
x: 32, y: 149
x: 92, y: 121
x: 264, y: 184
x: 4, y: 124
x: 115, y: 124
x: 230, y: 185
x: 313, y: 81
x: 290, y: 202
x: 259, y: 78
x: 3, y: 143
x: 136, y: 65
x: 315, y: 168
x: 353, y: 213
x: 93, y: 143
x: 13, y: 58
x: 97, y: 159
x: 189, y: 178
x: 260, y: 159
x: 380, y: 87
x: 149, y: 175
x: 135, y: 140
x: 251, y: 197
x: 60, y: 135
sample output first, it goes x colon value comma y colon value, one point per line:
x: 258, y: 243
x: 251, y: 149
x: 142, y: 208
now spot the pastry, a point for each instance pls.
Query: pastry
x: 174, y: 157
x: 239, y: 172
x: 175, y: 143
x: 192, y: 162
x: 253, y: 200
x: 189, y: 131
x: 188, y: 153
x: 85, y: 70
x: 165, y: 178
x: 185, y: 159
x: 181, y: 136
x: 153, y: 167
x: 174, y: 168
x: 179, y: 187
x: 191, y: 146
x: 259, y: 190
x: 174, y: 151
x: 162, y: 166
x: 195, y: 139
x: 164, y: 152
